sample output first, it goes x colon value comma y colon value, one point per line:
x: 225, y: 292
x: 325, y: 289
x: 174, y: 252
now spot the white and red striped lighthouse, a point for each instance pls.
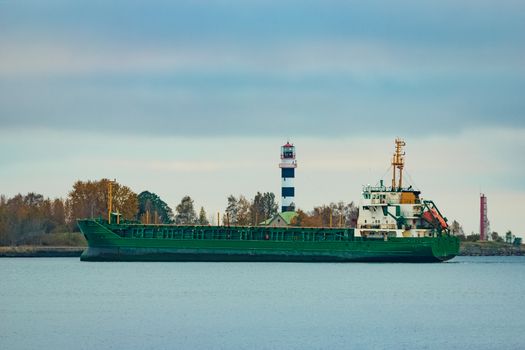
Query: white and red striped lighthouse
x: 288, y: 165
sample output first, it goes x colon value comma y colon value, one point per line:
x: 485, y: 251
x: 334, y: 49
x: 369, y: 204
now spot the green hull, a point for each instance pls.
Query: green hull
x: 135, y: 242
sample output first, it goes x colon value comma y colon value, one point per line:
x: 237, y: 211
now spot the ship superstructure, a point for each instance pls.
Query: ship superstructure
x: 397, y: 211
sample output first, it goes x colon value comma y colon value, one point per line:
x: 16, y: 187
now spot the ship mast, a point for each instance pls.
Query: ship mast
x: 398, y: 162
x: 110, y: 200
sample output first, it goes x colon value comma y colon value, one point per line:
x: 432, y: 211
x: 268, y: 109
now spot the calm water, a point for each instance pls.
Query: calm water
x: 61, y: 303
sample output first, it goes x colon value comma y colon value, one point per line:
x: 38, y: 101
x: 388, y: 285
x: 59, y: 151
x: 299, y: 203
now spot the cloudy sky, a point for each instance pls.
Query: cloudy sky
x: 195, y: 97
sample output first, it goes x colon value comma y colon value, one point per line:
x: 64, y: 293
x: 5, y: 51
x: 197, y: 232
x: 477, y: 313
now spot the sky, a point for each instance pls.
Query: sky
x: 196, y: 97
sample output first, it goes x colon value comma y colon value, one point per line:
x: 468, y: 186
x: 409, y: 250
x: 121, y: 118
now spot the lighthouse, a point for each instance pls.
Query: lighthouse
x: 287, y: 165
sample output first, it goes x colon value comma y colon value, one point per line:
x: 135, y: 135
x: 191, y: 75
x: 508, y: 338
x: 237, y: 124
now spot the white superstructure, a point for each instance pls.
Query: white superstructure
x: 395, y: 211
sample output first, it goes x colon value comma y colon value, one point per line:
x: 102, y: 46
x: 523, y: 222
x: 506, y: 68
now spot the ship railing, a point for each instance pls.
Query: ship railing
x: 237, y: 233
x: 369, y: 188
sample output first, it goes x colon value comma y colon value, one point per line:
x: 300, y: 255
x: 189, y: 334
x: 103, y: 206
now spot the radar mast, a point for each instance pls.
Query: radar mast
x: 398, y: 162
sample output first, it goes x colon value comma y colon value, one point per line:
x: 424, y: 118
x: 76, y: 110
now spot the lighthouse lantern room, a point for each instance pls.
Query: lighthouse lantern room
x: 288, y: 165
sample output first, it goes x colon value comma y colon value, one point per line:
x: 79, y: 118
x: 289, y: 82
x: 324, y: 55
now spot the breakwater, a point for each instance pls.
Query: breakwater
x: 490, y: 249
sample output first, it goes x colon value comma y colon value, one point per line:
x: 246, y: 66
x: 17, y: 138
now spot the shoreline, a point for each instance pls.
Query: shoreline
x: 466, y: 249
x: 490, y: 249
x: 40, y: 252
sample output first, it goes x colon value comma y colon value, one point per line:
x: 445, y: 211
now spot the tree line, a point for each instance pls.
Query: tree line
x: 339, y: 214
x: 24, y: 217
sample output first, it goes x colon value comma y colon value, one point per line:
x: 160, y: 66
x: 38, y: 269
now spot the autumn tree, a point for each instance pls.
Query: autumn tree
x: 457, y: 230
x: 238, y: 211
x: 342, y: 214
x: 496, y: 237
x: 243, y: 211
x: 338, y: 214
x: 203, y: 220
x: 58, y: 212
x: 4, y: 238
x: 185, y: 212
x: 509, y: 237
x: 232, y: 209
x: 351, y: 215
x: 90, y: 199
x: 150, y: 202
x: 24, y: 217
x: 320, y: 216
x: 27, y: 215
x: 304, y: 220
x: 263, y: 207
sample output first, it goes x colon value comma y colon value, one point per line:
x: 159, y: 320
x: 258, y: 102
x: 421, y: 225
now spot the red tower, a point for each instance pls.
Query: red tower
x: 483, y: 221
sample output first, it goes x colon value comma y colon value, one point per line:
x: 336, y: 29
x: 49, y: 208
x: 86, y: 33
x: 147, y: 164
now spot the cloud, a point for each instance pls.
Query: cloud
x: 457, y: 22
x: 181, y: 105
x: 357, y: 59
x: 264, y: 68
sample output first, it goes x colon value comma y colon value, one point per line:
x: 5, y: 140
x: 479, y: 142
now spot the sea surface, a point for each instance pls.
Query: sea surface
x: 62, y: 303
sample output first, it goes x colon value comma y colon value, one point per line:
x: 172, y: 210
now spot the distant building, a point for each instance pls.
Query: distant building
x: 280, y: 220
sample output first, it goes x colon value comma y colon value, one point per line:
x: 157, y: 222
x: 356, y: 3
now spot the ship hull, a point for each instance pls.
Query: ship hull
x: 238, y: 255
x: 106, y: 245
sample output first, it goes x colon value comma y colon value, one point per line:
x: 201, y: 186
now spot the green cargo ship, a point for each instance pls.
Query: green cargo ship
x: 140, y: 242
x: 394, y: 225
